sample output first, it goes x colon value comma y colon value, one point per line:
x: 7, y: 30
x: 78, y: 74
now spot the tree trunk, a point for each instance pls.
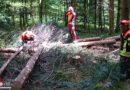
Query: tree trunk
x: 73, y: 3
x: 125, y: 12
x: 20, y: 79
x: 9, y: 60
x: 111, y: 16
x: 23, y: 16
x: 95, y: 21
x: 118, y: 17
x: 13, y: 19
x: 40, y: 10
x: 65, y: 9
x: 33, y: 19
x: 85, y: 16
x: 26, y: 15
x: 21, y: 24
x: 45, y: 11
x: 100, y: 15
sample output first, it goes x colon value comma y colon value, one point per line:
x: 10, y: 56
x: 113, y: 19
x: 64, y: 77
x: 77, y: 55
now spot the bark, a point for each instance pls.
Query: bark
x: 9, y: 60
x: 88, y: 39
x: 114, y: 37
x: 111, y: 16
x: 20, y: 79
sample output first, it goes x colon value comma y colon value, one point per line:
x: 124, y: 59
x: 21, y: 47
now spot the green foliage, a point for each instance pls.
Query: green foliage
x: 70, y: 50
x: 97, y: 86
x: 60, y: 75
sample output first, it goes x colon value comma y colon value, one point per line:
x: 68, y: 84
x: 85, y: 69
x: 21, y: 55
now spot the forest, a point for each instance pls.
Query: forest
x: 53, y: 61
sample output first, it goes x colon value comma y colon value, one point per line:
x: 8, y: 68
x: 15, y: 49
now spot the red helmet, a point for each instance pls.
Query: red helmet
x: 124, y: 22
x: 70, y: 9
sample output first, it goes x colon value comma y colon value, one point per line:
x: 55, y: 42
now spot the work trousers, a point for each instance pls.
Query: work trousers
x: 72, y: 31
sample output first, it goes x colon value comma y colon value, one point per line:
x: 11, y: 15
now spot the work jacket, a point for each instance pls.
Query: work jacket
x: 27, y: 35
x: 125, y: 43
x: 71, y: 17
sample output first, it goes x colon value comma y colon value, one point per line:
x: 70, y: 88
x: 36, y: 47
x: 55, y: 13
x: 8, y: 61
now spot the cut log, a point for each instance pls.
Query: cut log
x: 114, y: 37
x: 8, y: 50
x: 85, y: 44
x: 117, y: 44
x: 100, y: 48
x: 89, y: 39
x: 20, y: 79
x: 9, y: 60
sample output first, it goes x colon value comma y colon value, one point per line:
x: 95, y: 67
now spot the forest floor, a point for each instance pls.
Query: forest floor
x: 5, y: 39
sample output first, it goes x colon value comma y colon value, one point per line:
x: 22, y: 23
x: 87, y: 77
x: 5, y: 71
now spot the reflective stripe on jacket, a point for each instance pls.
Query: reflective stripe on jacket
x: 125, y: 44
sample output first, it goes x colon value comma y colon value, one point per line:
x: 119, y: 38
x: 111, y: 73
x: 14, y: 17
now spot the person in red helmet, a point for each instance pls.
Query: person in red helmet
x: 28, y: 37
x: 125, y: 48
x: 71, y: 22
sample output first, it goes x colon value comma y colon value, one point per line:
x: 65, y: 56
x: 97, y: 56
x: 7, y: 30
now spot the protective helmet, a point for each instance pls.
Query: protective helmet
x: 124, y: 22
x: 70, y: 9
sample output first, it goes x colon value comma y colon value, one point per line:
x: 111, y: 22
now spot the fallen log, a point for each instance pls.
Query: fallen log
x: 114, y: 37
x: 85, y: 44
x: 89, y: 39
x: 8, y: 50
x: 100, y: 48
x: 20, y: 79
x: 9, y: 60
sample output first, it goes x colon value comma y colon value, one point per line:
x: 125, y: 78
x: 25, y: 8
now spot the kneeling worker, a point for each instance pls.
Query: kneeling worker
x: 28, y: 37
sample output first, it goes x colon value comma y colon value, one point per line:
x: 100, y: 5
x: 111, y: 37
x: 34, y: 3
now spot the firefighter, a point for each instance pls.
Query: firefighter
x: 28, y: 37
x: 71, y: 22
x: 125, y: 48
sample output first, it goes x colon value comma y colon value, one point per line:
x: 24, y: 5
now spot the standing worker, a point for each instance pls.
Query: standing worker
x: 125, y: 48
x: 71, y: 23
